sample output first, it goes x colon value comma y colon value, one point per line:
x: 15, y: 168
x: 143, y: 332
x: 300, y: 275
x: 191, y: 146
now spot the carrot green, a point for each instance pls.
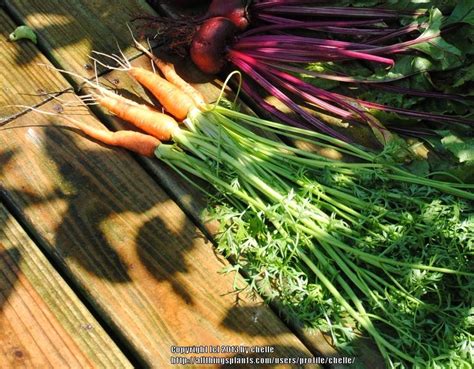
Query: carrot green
x: 347, y: 247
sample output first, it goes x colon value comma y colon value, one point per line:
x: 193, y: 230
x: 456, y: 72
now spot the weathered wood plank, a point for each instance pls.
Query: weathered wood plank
x: 43, y: 323
x: 70, y: 30
x: 22, y: 80
x: 135, y: 255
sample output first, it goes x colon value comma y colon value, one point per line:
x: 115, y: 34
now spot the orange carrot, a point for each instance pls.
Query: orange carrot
x: 148, y: 120
x: 170, y: 74
x: 129, y: 101
x: 136, y: 142
x: 175, y: 101
x: 172, y: 98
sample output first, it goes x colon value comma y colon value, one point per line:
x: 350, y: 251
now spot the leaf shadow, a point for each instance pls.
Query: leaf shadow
x: 97, y: 191
x: 165, y: 263
x: 67, y: 24
x: 90, y: 202
x: 9, y: 272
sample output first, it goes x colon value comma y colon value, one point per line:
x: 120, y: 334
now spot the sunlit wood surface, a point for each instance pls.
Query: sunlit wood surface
x: 101, y: 261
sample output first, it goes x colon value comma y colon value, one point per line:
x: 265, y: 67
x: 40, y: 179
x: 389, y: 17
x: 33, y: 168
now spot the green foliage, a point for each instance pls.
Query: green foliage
x: 436, y: 47
x: 443, y: 63
x: 462, y: 148
x: 464, y: 12
x: 342, y: 247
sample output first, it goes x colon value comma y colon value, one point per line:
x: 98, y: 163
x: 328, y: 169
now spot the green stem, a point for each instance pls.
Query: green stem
x: 363, y: 320
x: 284, y: 129
x: 442, y: 186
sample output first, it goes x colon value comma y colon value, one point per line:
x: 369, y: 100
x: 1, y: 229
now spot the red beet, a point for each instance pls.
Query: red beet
x: 235, y: 10
x: 209, y: 44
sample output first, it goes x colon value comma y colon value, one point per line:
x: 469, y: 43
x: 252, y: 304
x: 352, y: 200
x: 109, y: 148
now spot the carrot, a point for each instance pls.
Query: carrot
x: 126, y: 101
x: 141, y: 116
x: 176, y: 102
x: 145, y: 118
x: 136, y: 142
x: 140, y: 143
x: 170, y: 74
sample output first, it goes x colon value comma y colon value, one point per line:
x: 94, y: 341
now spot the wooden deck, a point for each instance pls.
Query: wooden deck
x: 103, y: 260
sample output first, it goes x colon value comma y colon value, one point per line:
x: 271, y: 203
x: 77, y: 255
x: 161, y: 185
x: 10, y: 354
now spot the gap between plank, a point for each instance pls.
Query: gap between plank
x: 108, y: 326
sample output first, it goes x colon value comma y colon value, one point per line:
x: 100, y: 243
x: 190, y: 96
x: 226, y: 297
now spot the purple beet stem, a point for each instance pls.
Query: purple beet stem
x: 274, y: 91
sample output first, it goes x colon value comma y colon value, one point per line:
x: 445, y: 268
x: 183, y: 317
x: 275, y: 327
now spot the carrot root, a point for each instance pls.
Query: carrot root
x: 173, y: 99
x: 145, y: 118
x: 140, y: 143
x: 136, y: 142
x: 176, y: 102
x: 170, y: 74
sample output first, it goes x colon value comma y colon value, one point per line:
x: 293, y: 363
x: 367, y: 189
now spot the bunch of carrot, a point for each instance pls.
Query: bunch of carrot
x: 317, y: 222
x: 176, y: 95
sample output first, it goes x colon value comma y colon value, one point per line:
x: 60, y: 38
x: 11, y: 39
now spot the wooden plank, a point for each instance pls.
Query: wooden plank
x: 22, y: 80
x: 70, y: 30
x: 138, y: 259
x: 43, y: 323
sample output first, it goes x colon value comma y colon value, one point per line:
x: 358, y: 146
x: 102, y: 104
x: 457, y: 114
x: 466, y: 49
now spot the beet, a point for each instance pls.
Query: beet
x: 235, y: 10
x: 209, y: 44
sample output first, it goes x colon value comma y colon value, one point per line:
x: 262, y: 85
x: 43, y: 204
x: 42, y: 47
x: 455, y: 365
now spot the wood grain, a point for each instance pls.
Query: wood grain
x: 43, y: 324
x: 135, y: 255
x: 69, y: 31
x: 22, y: 80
